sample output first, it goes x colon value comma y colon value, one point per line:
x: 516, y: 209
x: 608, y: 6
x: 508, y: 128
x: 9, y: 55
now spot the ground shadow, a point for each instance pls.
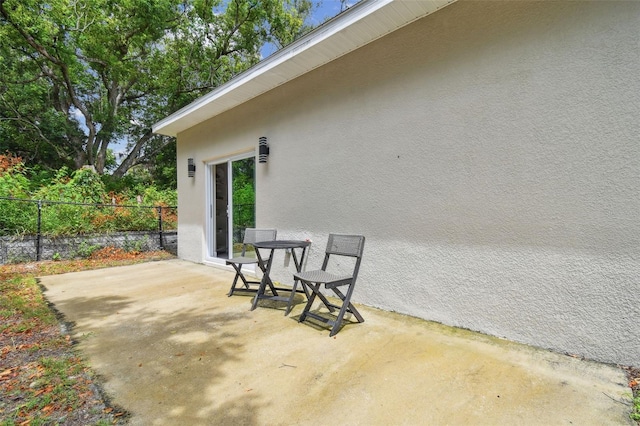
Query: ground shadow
x: 176, y: 356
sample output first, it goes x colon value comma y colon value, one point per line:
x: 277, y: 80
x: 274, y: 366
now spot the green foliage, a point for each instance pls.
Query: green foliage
x: 78, y: 77
x: 635, y: 415
x: 69, y: 206
x: 85, y: 250
x: 14, y: 183
x: 16, y: 217
x: 39, y: 177
x: 17, y: 298
x: 135, y: 246
x: 81, y: 186
x: 130, y: 182
x: 244, y: 194
x: 164, y: 172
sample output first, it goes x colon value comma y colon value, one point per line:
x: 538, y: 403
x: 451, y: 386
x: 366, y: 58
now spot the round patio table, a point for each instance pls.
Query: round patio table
x: 265, y: 266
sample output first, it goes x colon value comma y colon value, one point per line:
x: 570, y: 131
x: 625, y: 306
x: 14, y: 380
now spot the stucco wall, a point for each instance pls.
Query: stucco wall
x: 489, y: 153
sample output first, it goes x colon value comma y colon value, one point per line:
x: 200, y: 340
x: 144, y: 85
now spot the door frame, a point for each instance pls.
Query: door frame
x: 210, y: 224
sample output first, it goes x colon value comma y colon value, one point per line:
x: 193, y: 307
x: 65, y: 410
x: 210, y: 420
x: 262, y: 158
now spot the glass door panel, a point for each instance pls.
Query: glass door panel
x: 232, y: 207
x: 221, y: 209
x: 244, y: 200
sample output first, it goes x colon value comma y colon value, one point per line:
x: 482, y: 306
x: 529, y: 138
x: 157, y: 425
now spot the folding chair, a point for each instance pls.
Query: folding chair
x: 251, y: 235
x: 337, y: 245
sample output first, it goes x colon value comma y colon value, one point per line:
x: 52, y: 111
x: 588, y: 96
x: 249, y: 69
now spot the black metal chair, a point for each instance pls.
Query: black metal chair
x: 337, y: 245
x: 251, y: 235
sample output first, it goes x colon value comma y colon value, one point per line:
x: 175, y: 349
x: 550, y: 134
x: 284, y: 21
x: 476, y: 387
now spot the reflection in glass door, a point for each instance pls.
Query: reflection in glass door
x: 243, y: 200
x: 221, y: 209
x: 233, y: 206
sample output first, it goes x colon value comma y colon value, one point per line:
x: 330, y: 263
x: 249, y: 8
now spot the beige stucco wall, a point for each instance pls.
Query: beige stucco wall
x: 491, y: 155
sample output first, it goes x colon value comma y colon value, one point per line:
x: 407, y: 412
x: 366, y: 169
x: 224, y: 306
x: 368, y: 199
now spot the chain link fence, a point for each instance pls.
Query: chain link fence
x: 33, y: 230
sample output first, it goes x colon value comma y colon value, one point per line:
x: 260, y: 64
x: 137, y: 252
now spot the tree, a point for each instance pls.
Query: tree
x: 78, y: 76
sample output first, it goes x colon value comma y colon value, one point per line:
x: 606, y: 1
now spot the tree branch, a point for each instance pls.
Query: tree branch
x: 132, y: 158
x: 26, y: 36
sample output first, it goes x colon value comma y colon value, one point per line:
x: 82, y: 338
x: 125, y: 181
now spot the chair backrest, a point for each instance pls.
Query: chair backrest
x: 253, y: 235
x: 345, y: 245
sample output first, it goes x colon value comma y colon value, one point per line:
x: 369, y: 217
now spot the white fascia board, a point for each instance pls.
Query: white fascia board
x: 364, y: 23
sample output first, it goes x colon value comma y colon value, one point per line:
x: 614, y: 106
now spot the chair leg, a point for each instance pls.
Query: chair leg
x: 239, y: 274
x: 233, y: 285
x: 310, y: 299
x: 326, y: 302
x: 291, y: 296
x: 350, y: 308
x: 346, y: 306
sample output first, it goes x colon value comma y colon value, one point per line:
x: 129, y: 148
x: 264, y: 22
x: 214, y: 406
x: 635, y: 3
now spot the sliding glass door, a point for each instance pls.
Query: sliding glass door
x: 232, y: 197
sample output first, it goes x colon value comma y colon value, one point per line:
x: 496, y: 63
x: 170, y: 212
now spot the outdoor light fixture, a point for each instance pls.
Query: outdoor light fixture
x: 263, y: 149
x: 191, y: 167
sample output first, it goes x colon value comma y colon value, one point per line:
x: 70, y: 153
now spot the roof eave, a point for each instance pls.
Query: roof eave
x: 348, y: 31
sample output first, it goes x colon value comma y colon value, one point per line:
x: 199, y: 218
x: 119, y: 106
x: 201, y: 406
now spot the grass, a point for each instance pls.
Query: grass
x: 43, y: 380
x: 635, y: 414
x: 633, y: 374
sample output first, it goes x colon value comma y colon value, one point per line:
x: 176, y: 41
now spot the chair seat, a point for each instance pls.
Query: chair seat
x: 242, y: 260
x: 320, y: 276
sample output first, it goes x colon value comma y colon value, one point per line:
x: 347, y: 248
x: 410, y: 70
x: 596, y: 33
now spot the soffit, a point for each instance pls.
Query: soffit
x: 354, y: 28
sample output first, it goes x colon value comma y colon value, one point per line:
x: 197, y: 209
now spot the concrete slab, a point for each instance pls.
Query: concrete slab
x: 172, y: 348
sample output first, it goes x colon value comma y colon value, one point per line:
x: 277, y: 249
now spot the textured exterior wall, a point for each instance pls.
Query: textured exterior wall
x: 489, y: 153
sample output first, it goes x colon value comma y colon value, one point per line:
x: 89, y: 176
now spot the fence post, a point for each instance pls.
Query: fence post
x: 38, y: 234
x: 160, y: 227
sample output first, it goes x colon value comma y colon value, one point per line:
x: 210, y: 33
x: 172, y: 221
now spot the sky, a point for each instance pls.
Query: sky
x: 322, y: 11
x: 325, y: 9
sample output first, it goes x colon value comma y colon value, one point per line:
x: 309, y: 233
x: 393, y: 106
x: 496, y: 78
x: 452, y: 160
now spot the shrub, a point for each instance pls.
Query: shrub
x: 83, y: 188
x: 16, y: 218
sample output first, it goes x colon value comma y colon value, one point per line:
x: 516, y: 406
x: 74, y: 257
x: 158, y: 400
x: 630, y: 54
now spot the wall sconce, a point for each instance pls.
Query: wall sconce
x: 191, y: 167
x: 263, y: 149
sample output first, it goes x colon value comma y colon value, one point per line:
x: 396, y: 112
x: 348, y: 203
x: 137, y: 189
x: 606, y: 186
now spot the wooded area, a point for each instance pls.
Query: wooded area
x: 79, y: 78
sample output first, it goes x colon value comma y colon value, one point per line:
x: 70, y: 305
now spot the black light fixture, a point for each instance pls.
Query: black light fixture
x: 191, y: 167
x: 263, y: 149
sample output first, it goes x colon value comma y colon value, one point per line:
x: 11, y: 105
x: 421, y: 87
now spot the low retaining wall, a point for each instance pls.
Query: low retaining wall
x: 25, y: 248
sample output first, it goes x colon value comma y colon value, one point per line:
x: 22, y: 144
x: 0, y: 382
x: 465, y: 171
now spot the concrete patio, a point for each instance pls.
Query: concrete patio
x: 172, y: 348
